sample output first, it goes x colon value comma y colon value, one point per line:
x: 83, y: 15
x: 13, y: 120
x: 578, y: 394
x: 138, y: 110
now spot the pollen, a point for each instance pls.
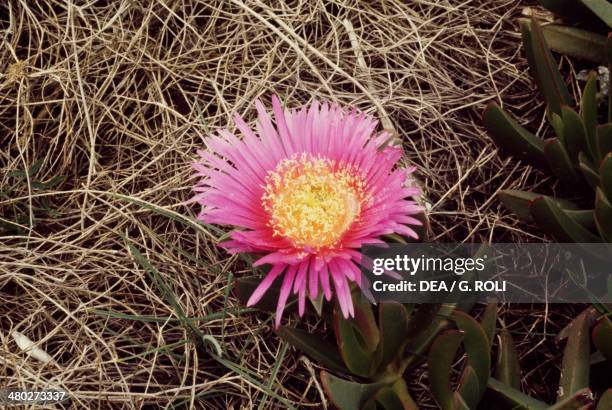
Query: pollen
x: 313, y: 201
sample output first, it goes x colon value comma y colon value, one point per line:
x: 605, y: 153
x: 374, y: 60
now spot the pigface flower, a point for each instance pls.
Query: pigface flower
x: 305, y: 193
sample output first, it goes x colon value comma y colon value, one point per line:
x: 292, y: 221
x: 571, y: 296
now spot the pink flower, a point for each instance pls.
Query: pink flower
x: 306, y: 193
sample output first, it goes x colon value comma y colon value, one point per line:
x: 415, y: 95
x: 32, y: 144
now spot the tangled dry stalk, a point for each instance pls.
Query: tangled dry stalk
x: 106, y: 101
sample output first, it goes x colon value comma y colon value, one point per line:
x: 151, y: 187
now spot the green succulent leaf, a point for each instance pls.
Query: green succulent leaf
x: 508, y: 369
x: 489, y: 321
x: 601, y: 8
x: 354, y: 353
x: 573, y: 132
x: 396, y: 397
x: 574, y: 41
x: 365, y: 322
x: 469, y: 388
x: 426, y: 323
x: 393, y: 320
x: 322, y: 352
x: 608, y: 49
x: 520, y: 201
x: 554, y: 220
x: 567, y: 8
x: 589, y: 173
x: 558, y: 125
x: 604, y: 138
x: 605, y: 402
x: 583, y: 217
x: 544, y: 67
x: 512, y: 138
x: 422, y: 318
x: 605, y: 175
x: 560, y: 162
x: 602, y: 337
x: 476, y: 346
x: 575, y: 366
x: 513, y: 398
x: 441, y: 357
x: 582, y: 399
x: 348, y: 395
x: 588, y: 112
x: 603, y: 215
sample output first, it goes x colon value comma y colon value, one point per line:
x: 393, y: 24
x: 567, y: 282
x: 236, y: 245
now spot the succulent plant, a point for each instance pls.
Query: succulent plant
x: 367, y: 364
x: 573, y: 391
x: 503, y: 389
x: 375, y: 350
x: 584, y: 33
x: 580, y: 154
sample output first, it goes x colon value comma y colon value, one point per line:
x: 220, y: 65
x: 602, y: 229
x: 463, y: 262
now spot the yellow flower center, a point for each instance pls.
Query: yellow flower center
x: 313, y: 201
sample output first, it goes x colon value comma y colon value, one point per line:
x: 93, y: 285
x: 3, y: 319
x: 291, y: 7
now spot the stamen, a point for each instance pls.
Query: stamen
x: 313, y: 201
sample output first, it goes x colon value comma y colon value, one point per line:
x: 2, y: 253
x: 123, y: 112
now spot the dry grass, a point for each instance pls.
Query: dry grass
x: 111, y: 98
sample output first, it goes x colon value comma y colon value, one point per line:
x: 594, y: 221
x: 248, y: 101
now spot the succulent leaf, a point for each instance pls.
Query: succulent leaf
x: 469, y: 388
x: 513, y: 398
x: 426, y: 323
x: 520, y: 201
x: 603, y: 215
x: 575, y: 366
x: 322, y: 352
x: 574, y: 41
x: 355, y: 355
x: 604, y: 138
x: 601, y: 8
x: 441, y: 357
x: 508, y: 370
x: 558, y: 125
x: 554, y: 220
x: 567, y: 8
x: 602, y: 337
x: 589, y: 173
x: 365, y: 322
x: 489, y: 321
x: 422, y: 319
x: 583, y: 217
x: 551, y: 83
x: 560, y: 162
x: 476, y: 346
x: 605, y: 402
x: 580, y: 400
x: 396, y: 397
x: 511, y: 137
x: 605, y: 175
x: 348, y: 395
x: 393, y: 320
x: 588, y: 112
x: 574, y: 133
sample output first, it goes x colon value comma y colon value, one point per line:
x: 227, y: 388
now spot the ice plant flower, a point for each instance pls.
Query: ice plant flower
x: 306, y: 192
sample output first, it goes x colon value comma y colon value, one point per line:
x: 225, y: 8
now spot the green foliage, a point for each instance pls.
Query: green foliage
x: 580, y: 154
x: 474, y: 378
x: 573, y: 393
x: 375, y: 349
x: 584, y: 33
